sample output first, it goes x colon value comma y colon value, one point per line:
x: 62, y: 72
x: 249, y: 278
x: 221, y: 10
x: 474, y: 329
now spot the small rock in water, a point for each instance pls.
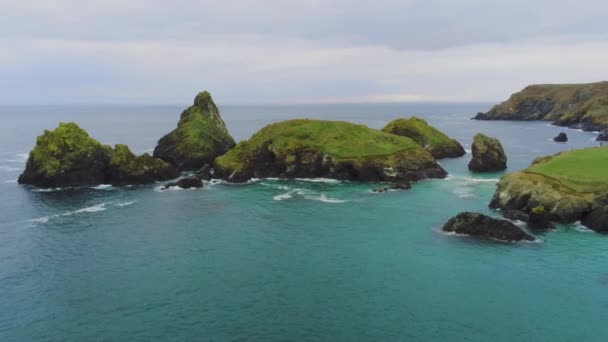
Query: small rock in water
x: 186, y: 183
x: 603, y: 136
x: 561, y: 137
x: 397, y: 186
x: 483, y: 226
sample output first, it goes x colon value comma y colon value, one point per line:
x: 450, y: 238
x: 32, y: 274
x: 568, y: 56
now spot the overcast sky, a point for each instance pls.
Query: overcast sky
x: 279, y: 51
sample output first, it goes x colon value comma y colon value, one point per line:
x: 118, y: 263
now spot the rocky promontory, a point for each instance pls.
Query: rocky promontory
x: 483, y: 226
x: 199, y: 138
x: 433, y: 140
x: 582, y: 106
x: 566, y: 187
x: 488, y: 155
x: 67, y: 156
x: 331, y: 149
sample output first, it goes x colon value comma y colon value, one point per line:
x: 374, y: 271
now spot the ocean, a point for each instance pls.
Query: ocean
x: 277, y: 260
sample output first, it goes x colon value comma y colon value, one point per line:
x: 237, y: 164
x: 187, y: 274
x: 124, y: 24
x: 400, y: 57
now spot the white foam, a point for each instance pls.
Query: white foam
x: 47, y: 190
x: 481, y: 180
x: 40, y: 220
x: 282, y: 197
x: 578, y: 226
x: 325, y: 199
x: 468, y: 151
x: 102, y: 187
x: 92, y: 209
x: 319, y: 180
x: 124, y: 204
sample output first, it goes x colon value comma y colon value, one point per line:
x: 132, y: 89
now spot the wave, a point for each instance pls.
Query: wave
x: 325, y: 199
x: 124, y: 204
x: 102, y: 187
x: 48, y: 189
x: 282, y: 197
x: 92, y: 209
x: 579, y: 227
x: 468, y: 151
x: 319, y: 180
x: 40, y: 220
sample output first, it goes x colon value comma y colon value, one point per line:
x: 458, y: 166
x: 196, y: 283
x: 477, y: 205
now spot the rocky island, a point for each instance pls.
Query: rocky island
x: 199, y: 138
x: 567, y: 187
x: 582, y: 106
x: 68, y: 156
x: 304, y: 148
x: 436, y: 142
x: 488, y: 155
x: 482, y: 226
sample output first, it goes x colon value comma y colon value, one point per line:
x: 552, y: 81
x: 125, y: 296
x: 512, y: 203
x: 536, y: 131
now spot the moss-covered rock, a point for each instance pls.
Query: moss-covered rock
x: 436, y: 142
x: 199, y: 138
x: 127, y: 168
x: 488, y: 155
x: 68, y: 156
x: 331, y: 149
x: 567, y: 186
x: 575, y: 105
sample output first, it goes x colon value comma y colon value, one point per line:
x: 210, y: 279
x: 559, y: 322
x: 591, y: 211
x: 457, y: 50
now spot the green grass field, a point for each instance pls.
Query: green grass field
x: 418, y: 130
x: 584, y: 170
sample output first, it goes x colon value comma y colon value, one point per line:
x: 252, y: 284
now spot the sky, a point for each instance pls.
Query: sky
x: 281, y: 51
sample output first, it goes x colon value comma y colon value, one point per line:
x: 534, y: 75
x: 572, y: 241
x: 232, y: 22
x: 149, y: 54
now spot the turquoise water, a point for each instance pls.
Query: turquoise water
x: 285, y: 260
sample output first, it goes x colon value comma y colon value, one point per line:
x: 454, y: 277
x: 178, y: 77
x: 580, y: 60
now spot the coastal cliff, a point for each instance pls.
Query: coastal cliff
x: 583, y: 106
x: 332, y: 149
x: 566, y: 187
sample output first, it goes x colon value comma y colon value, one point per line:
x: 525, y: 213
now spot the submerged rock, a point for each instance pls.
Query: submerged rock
x: 483, y: 226
x: 327, y: 149
x: 68, y: 156
x: 186, y: 183
x: 488, y: 155
x: 398, y: 186
x: 199, y: 138
x: 582, y: 106
x: 561, y: 137
x: 436, y: 142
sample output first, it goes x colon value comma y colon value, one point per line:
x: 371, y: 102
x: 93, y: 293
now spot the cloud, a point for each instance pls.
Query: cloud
x: 282, y: 52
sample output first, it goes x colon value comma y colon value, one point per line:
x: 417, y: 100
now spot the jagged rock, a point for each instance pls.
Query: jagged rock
x: 205, y: 172
x: 329, y: 149
x: 488, y: 155
x: 186, y: 183
x: 436, y: 142
x: 483, y: 226
x: 583, y: 106
x: 126, y: 168
x: 68, y: 156
x: 398, y: 186
x: 540, y: 220
x: 199, y: 138
x: 515, y: 215
x: 597, y: 219
x: 561, y: 137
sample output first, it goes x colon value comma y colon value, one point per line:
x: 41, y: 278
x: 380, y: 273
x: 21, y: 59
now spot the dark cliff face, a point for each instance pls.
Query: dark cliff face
x: 199, y: 138
x: 582, y: 106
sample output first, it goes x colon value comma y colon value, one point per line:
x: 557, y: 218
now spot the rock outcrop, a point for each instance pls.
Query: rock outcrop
x: 565, y: 187
x: 488, y: 155
x: 582, y: 106
x: 330, y: 149
x: 603, y: 136
x: 190, y: 182
x: 597, y: 219
x: 68, y: 156
x: 483, y: 226
x: 199, y: 138
x: 561, y: 137
x: 436, y: 142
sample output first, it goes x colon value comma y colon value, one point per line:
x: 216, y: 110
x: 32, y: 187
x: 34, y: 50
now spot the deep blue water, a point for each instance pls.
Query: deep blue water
x: 285, y: 260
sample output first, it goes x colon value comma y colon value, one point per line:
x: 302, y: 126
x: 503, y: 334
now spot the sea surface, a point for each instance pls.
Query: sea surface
x: 275, y: 260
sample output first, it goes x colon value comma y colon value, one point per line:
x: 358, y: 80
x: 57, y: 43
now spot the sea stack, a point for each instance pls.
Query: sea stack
x: 199, y: 138
x: 67, y: 156
x: 561, y: 137
x: 488, y: 155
